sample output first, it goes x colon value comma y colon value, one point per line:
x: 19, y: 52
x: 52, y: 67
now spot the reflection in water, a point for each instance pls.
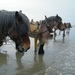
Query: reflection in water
x: 3, y: 62
x: 19, y: 63
x: 18, y: 57
x: 36, y: 68
x: 38, y: 65
x: 3, y: 59
x: 68, y: 31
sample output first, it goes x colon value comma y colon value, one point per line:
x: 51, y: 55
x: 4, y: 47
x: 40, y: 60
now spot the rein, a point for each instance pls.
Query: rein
x: 44, y: 31
x: 48, y: 28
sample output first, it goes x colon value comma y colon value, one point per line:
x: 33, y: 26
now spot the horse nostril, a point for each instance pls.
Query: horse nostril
x: 28, y: 48
x: 21, y: 51
x: 63, y: 28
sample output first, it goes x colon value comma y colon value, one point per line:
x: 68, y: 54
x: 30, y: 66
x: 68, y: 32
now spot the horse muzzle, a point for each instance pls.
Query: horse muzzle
x: 21, y: 49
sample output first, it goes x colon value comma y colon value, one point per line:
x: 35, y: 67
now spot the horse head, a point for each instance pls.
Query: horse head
x: 19, y: 32
x: 55, y: 22
x: 58, y: 18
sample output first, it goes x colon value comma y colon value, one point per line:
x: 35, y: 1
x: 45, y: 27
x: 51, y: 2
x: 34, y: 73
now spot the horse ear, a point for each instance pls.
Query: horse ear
x: 45, y: 18
x: 69, y: 23
x: 31, y: 21
x: 57, y: 15
x: 18, y: 16
x: 20, y: 11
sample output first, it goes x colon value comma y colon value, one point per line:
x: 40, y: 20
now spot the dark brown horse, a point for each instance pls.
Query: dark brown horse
x: 44, y: 30
x: 15, y: 25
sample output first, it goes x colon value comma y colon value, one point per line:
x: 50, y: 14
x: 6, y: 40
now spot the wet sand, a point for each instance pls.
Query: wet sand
x: 30, y: 63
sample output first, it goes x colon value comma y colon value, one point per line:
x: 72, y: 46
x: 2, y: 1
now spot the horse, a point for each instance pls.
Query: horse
x: 66, y: 28
x: 44, y: 30
x: 68, y: 25
x: 15, y: 24
x: 34, y: 26
x: 61, y: 27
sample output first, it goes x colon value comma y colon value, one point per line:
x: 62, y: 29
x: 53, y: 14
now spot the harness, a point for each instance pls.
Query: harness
x: 48, y: 27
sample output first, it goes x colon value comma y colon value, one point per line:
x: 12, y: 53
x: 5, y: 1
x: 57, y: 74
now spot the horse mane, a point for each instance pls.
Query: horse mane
x: 43, y: 21
x: 25, y: 20
x: 7, y: 20
x: 51, y: 18
x: 54, y: 18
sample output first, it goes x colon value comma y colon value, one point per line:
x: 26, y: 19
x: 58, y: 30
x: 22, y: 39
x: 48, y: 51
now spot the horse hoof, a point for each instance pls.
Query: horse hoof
x: 41, y: 52
x: 35, y: 50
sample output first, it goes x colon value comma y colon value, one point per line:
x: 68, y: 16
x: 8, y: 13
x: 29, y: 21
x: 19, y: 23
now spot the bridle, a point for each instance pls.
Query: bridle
x: 59, y: 25
x: 48, y: 27
x: 15, y: 27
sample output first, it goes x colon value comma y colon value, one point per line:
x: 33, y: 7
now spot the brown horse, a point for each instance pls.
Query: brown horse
x: 15, y: 25
x: 66, y: 26
x: 44, y: 29
x: 61, y: 27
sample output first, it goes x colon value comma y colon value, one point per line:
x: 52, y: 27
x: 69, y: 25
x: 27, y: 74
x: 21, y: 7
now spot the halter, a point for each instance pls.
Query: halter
x: 48, y: 28
x: 15, y: 28
x: 59, y: 25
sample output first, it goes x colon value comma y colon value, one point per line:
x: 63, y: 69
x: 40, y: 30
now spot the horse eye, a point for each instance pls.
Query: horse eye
x: 15, y: 28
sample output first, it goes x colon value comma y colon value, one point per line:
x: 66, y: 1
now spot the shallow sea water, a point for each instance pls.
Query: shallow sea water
x: 57, y: 60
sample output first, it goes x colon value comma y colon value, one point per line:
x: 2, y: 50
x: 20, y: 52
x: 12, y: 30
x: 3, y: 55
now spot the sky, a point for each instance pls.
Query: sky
x: 37, y: 9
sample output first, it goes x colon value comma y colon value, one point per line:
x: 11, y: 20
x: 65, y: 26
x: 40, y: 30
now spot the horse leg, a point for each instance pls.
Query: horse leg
x: 16, y: 45
x: 54, y: 34
x: 1, y: 40
x: 63, y: 34
x: 41, y: 51
x: 59, y: 32
x: 1, y: 43
x: 35, y: 44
